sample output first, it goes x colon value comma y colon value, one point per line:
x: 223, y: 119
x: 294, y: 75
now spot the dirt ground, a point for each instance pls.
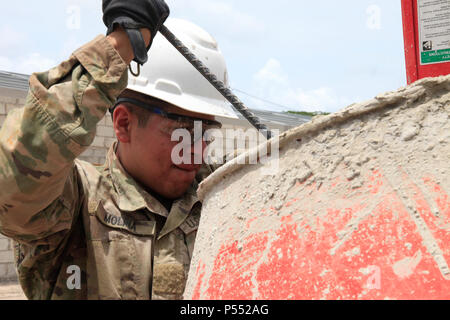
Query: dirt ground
x: 11, y: 291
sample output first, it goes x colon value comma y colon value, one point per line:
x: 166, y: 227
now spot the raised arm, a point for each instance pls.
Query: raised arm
x: 38, y: 143
x: 39, y: 191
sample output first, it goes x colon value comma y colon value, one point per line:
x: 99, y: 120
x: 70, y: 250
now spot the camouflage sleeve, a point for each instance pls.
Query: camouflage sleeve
x: 39, y: 142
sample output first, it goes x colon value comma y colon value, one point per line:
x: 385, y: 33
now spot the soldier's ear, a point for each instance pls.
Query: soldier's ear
x: 122, y: 119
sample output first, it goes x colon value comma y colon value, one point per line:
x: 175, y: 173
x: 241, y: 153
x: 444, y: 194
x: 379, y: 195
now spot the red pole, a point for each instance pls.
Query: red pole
x: 409, y: 36
x: 427, y: 48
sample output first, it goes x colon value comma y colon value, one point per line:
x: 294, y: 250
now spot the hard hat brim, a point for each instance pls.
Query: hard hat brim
x: 189, y: 102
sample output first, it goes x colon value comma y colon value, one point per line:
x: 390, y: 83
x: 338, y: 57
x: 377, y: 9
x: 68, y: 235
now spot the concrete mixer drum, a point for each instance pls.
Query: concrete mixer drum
x: 359, y: 208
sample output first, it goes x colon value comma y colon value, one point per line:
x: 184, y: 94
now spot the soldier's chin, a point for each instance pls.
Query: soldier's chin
x: 177, y: 188
x: 177, y: 191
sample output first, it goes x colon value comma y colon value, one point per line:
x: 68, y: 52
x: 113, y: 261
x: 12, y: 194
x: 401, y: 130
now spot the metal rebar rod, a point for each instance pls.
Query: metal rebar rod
x: 219, y: 85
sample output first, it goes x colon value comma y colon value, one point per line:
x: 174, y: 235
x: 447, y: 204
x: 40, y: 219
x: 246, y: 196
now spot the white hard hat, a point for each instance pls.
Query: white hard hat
x: 168, y: 76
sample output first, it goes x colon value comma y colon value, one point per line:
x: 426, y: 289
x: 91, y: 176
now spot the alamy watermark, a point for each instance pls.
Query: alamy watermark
x: 74, y: 280
x: 73, y: 21
x: 374, y: 280
x: 373, y: 21
x: 225, y: 145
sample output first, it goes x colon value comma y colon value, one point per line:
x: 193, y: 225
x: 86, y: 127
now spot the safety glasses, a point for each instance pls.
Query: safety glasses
x: 177, y: 122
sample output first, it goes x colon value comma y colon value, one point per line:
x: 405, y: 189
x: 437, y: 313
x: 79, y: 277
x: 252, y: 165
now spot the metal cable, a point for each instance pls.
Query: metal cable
x: 219, y: 85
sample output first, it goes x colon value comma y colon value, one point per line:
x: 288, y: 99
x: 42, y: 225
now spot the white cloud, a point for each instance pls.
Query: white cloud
x: 271, y: 83
x: 271, y: 73
x: 5, y: 64
x: 69, y: 46
x: 321, y: 99
x: 33, y: 62
x: 11, y: 41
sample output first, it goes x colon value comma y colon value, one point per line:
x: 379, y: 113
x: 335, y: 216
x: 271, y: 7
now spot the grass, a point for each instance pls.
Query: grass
x: 310, y: 114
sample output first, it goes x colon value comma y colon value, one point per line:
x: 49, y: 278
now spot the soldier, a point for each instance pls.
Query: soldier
x: 125, y: 230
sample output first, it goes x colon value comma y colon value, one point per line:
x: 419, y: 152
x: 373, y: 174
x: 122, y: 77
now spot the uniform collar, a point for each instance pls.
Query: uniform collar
x: 132, y: 197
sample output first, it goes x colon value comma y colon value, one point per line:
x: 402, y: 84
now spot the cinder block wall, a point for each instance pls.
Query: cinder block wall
x: 7, y: 268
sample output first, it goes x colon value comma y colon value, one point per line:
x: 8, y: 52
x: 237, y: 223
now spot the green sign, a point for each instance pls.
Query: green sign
x: 434, y: 30
x: 436, y: 56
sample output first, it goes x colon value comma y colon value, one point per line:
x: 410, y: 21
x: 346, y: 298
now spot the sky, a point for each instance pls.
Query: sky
x: 300, y: 55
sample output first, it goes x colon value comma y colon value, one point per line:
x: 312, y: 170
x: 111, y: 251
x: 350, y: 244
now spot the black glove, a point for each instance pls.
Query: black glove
x: 133, y: 15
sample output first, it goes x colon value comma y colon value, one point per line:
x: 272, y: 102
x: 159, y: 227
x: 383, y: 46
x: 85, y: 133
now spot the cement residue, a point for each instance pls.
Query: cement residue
x: 405, y: 267
x: 329, y: 160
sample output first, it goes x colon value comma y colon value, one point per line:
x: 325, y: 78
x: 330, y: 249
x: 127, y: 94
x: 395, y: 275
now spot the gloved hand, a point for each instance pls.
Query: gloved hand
x: 133, y: 15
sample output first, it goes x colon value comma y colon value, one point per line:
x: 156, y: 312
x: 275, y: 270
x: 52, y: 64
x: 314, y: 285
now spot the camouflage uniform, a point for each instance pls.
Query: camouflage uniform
x: 63, y: 212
